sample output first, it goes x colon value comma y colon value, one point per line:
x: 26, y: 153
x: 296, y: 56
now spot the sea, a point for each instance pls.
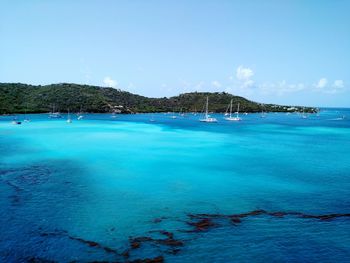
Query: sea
x: 151, y: 188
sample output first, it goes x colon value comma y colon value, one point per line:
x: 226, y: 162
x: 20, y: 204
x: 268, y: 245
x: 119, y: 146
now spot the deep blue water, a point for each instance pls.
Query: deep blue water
x: 84, y: 191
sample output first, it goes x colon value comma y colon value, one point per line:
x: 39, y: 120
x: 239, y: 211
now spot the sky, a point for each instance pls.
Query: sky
x: 286, y: 52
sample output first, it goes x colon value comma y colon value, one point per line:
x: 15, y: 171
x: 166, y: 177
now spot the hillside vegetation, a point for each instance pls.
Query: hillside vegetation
x: 18, y: 98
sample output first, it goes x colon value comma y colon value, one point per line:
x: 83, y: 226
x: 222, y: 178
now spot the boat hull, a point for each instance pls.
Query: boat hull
x: 208, y: 120
x: 233, y: 119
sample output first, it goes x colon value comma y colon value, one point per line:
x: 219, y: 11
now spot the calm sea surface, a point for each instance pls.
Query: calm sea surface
x: 123, y: 189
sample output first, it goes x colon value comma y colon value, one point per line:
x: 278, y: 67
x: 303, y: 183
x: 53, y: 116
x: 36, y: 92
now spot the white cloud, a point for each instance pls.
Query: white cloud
x: 248, y: 83
x: 199, y: 86
x: 189, y: 86
x: 244, y: 76
x: 338, y: 84
x: 281, y: 88
x: 336, y: 87
x: 109, y: 82
x: 243, y: 73
x: 216, y: 84
x: 321, y: 83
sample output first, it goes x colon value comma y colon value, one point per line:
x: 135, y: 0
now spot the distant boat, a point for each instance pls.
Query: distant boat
x: 152, y: 119
x: 54, y: 114
x: 113, y: 115
x: 318, y: 112
x: 304, y: 116
x: 228, y: 108
x: 69, y: 120
x: 230, y: 118
x: 80, y: 115
x: 15, y: 122
x: 207, y: 117
x: 263, y: 114
x: 26, y: 119
x: 173, y: 116
x: 181, y: 113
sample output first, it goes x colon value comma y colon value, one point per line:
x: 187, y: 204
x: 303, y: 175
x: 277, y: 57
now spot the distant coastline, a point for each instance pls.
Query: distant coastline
x: 16, y: 98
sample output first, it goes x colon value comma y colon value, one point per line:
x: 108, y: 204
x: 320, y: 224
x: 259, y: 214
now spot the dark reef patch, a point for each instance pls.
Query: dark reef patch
x: 158, y: 259
x: 203, y: 222
x: 20, y: 178
x: 165, y: 242
x: 38, y: 260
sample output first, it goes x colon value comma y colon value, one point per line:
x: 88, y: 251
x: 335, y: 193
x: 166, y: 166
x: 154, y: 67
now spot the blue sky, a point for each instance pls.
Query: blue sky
x: 290, y: 52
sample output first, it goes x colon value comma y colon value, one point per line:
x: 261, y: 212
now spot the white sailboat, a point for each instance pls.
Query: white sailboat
x: 173, y: 116
x: 26, y: 119
x: 152, y: 118
x: 227, y: 109
x: 304, y: 116
x: 114, y: 115
x: 69, y: 120
x: 230, y: 118
x: 207, y: 117
x: 80, y: 115
x: 54, y: 114
x: 181, y: 113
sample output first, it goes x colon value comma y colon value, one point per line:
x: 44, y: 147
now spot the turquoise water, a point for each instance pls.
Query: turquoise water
x: 105, y: 180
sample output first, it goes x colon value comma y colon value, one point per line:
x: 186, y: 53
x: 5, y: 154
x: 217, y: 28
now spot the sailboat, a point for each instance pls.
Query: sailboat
x: 230, y: 118
x: 207, y: 117
x: 263, y: 115
x: 113, y: 115
x: 26, y: 119
x: 54, y: 114
x: 69, y: 120
x: 304, y: 116
x: 80, y: 115
x: 152, y: 118
x: 173, y: 116
x: 318, y: 112
x: 227, y: 109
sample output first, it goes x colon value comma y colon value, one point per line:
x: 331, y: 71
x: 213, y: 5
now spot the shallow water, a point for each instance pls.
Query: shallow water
x: 108, y: 180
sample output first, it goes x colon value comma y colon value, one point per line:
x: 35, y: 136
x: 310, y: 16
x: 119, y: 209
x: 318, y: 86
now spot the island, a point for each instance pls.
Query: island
x: 20, y: 98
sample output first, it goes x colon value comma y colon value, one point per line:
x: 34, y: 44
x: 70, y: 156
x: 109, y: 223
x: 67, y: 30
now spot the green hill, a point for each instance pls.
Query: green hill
x: 18, y: 98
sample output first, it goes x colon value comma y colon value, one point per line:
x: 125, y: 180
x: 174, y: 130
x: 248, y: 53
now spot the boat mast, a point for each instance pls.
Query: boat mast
x: 231, y: 108
x: 237, y: 110
x: 206, y: 108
